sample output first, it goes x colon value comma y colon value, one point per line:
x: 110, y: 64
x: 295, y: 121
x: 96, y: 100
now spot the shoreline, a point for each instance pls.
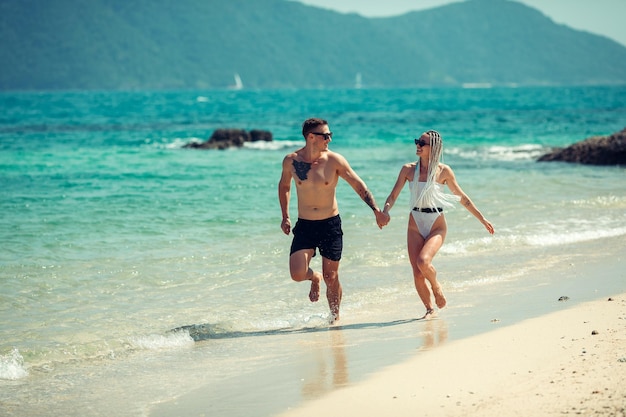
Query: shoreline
x: 290, y: 372
x: 572, y: 361
x: 338, y: 367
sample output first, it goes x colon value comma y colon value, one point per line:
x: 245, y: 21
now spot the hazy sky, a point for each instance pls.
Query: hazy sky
x: 602, y: 17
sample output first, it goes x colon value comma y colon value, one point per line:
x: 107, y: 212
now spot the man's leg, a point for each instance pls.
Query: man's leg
x: 334, y: 292
x: 300, y: 271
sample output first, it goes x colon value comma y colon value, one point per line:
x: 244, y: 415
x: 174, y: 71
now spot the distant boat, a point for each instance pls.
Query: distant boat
x: 358, y: 82
x: 238, y: 83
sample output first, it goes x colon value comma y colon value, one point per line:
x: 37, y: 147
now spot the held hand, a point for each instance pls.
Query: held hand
x: 286, y: 226
x: 382, y: 219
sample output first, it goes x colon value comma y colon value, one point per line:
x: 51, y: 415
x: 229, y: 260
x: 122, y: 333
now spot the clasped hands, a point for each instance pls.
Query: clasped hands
x: 382, y: 218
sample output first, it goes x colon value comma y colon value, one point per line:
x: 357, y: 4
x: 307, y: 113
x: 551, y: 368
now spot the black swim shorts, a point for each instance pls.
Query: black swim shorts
x: 323, y: 234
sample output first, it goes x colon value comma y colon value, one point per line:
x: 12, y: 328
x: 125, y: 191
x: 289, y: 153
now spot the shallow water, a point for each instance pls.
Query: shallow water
x: 112, y: 234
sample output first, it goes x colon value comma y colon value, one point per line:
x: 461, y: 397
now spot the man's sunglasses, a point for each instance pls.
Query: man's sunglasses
x: 327, y: 136
x: 421, y: 142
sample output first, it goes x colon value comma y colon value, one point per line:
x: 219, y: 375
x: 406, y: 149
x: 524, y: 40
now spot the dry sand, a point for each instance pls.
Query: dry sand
x: 571, y: 362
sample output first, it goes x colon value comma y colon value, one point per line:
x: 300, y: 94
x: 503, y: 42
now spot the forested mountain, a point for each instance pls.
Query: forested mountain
x: 189, y: 44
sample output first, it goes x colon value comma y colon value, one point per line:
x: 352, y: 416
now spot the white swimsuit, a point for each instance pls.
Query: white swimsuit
x: 427, y: 205
x: 425, y: 217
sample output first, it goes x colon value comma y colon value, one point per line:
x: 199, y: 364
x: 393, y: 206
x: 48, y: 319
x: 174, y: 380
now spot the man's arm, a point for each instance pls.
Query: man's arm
x: 346, y: 172
x: 284, y: 194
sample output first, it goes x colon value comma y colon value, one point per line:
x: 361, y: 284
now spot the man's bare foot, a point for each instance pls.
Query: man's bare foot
x: 314, y: 294
x: 429, y: 313
x: 440, y: 299
x: 334, y: 318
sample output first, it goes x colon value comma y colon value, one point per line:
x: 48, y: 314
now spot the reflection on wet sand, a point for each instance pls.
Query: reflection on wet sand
x: 328, y: 376
x: 435, y: 333
x: 331, y: 369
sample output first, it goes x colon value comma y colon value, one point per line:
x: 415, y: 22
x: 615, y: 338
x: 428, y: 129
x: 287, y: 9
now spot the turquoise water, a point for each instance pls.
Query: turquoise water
x: 112, y: 234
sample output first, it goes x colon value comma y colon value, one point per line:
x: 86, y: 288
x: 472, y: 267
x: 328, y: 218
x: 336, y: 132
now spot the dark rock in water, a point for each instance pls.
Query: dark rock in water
x: 228, y: 138
x: 600, y: 150
x: 260, y: 135
x: 563, y: 298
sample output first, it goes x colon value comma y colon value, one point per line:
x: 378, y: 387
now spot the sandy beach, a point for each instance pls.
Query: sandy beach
x: 570, y: 362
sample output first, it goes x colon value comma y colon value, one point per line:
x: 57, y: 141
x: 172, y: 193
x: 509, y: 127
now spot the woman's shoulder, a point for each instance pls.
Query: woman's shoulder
x: 445, y: 172
x: 443, y: 167
x: 408, y: 169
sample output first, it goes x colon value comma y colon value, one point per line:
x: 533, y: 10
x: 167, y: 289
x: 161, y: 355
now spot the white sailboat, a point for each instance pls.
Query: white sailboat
x: 358, y: 82
x: 238, y: 83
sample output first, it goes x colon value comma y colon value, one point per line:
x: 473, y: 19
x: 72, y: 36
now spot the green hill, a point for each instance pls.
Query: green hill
x: 191, y: 44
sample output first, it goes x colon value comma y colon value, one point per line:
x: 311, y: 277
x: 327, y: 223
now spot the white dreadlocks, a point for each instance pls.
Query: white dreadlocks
x: 432, y: 195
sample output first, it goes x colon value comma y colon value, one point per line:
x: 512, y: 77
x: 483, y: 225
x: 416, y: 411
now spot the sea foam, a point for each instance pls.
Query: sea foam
x: 524, y: 152
x: 158, y: 342
x: 12, y: 366
x: 552, y: 239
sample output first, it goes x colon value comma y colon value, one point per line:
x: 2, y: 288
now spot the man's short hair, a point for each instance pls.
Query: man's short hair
x: 311, y: 124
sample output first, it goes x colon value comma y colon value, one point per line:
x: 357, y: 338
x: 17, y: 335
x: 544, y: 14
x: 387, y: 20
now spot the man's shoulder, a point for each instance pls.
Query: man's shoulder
x: 292, y: 155
x: 335, y: 156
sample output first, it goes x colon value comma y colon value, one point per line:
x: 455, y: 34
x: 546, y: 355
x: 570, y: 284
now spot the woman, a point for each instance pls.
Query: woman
x: 427, y: 224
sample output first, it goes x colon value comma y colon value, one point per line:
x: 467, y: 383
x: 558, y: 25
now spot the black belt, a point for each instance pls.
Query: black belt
x: 428, y: 209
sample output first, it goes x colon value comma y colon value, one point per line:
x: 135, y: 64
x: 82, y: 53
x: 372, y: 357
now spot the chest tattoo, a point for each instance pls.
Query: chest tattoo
x: 302, y: 169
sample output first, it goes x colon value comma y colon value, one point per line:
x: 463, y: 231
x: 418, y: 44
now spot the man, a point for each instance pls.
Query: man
x: 316, y: 170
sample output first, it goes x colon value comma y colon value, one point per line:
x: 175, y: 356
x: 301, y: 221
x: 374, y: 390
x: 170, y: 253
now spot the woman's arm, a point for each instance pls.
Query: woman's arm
x: 447, y: 176
x: 397, y: 188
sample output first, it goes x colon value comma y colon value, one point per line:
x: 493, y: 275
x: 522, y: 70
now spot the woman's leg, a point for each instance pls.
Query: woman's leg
x: 431, y: 246
x: 415, y: 242
x: 421, y: 253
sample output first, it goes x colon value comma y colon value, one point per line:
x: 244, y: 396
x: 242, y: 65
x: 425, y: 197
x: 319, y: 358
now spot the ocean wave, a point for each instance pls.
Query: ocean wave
x: 12, y: 366
x: 458, y: 286
x: 179, y: 143
x: 274, y: 145
x: 169, y: 143
x: 559, y: 235
x: 610, y: 201
x: 157, y: 342
x: 471, y: 245
x: 237, y: 328
x: 552, y: 239
x: 525, y: 152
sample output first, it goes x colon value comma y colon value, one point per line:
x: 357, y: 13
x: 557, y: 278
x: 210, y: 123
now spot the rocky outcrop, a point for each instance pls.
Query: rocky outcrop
x: 600, y: 150
x: 228, y: 138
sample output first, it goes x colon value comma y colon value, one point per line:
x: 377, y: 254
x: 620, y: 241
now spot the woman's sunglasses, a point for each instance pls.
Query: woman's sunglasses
x: 421, y: 142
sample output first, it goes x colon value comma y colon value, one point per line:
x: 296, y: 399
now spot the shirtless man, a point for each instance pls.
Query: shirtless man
x: 316, y: 170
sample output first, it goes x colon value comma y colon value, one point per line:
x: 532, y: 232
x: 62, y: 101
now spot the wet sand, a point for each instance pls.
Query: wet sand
x: 570, y: 362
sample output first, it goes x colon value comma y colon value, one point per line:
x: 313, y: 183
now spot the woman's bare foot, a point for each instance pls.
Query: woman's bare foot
x: 314, y: 294
x: 440, y: 299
